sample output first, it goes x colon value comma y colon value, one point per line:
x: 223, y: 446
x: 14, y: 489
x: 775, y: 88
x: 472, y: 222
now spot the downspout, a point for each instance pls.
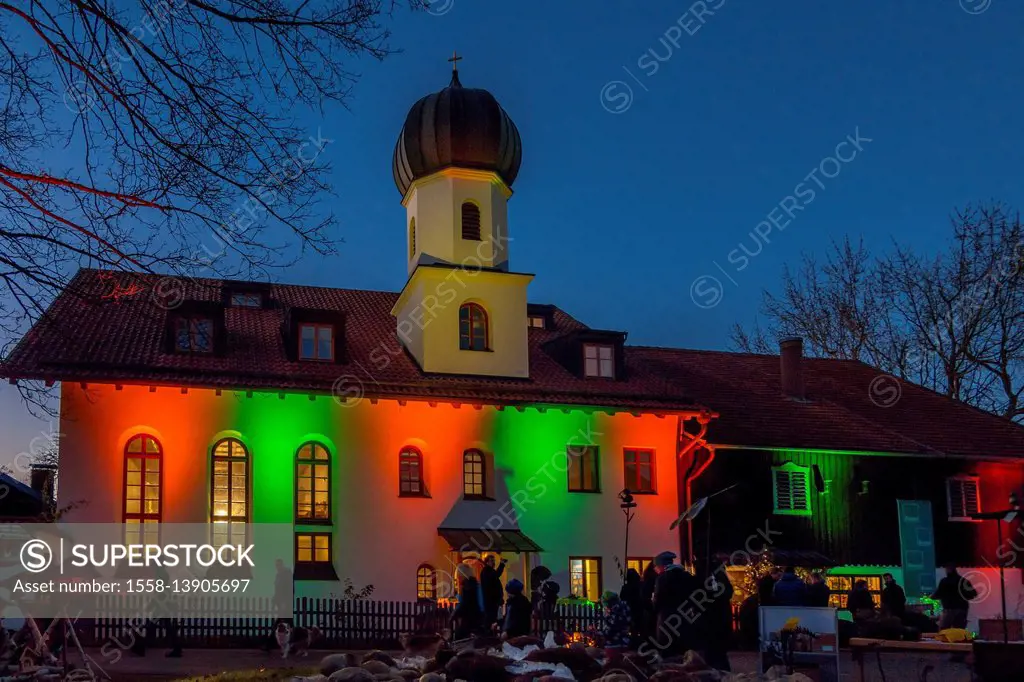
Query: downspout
x: 686, y: 444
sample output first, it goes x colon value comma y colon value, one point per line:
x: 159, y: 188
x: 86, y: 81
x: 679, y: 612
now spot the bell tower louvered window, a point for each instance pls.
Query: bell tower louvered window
x: 470, y: 221
x: 962, y: 497
x: 790, y: 486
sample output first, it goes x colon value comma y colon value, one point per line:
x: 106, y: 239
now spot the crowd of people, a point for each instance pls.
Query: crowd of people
x: 668, y: 609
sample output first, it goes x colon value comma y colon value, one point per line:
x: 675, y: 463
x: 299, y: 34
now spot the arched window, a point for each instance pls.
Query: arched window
x: 472, y: 327
x: 473, y: 474
x: 229, y: 491
x: 410, y: 473
x: 412, y: 238
x: 143, y: 489
x: 470, y: 221
x: 426, y: 582
x: 313, y: 484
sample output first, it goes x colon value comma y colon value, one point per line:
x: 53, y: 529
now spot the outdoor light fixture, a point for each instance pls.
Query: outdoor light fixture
x: 627, y: 504
x: 999, y: 516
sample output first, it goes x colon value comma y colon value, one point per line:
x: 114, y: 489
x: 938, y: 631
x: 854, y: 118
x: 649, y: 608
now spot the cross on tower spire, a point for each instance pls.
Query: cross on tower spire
x: 455, y: 59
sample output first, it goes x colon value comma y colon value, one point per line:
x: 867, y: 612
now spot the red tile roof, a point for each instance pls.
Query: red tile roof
x: 90, y: 335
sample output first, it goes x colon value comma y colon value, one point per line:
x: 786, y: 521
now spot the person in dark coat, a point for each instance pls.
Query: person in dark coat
x: 818, y: 591
x: 718, y: 618
x: 673, y: 589
x: 469, y: 614
x: 518, y: 611
x: 955, y: 593
x: 894, y: 599
x: 766, y: 587
x: 860, y: 602
x: 537, y: 577
x: 790, y: 590
x: 632, y: 594
x: 490, y: 583
x: 647, y: 582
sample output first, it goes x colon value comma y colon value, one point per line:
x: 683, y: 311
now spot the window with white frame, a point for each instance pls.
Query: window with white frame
x: 598, y: 360
x: 790, y: 483
x: 962, y: 498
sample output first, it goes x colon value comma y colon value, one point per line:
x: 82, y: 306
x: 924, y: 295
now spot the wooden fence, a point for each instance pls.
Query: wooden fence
x: 355, y: 624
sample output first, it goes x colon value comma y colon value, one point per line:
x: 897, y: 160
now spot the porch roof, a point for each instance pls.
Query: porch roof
x: 487, y: 539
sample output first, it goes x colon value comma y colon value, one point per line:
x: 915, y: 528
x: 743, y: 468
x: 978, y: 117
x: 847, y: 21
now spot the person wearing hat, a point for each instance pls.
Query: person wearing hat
x: 617, y: 622
x: 469, y: 614
x: 673, y: 588
x: 517, y: 611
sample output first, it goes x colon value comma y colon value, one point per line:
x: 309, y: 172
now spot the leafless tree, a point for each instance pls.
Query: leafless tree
x: 165, y: 135
x: 953, y: 322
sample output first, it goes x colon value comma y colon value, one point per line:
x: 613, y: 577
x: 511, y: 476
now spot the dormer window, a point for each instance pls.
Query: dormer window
x: 599, y: 360
x: 246, y: 300
x: 193, y: 335
x: 316, y: 342
x: 472, y: 327
x: 536, y: 322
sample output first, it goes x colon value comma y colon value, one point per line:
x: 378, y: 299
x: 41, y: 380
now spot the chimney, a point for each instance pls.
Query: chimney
x: 43, y: 478
x: 791, y: 356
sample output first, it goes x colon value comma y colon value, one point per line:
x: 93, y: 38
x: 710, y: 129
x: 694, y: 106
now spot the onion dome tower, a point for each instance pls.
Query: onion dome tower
x: 454, y: 163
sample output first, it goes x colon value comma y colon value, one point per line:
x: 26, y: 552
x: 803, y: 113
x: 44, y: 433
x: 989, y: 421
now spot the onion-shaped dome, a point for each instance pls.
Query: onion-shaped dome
x: 457, y: 127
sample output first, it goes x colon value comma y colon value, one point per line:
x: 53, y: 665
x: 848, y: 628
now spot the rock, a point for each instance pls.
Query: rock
x: 405, y: 673
x: 616, y: 677
x: 351, y: 675
x: 334, y: 662
x: 523, y: 641
x: 439, y: 661
x: 670, y: 676
x: 478, y: 667
x: 376, y: 667
x: 594, y: 652
x: 378, y: 655
x: 431, y: 677
x: 583, y: 666
x: 693, y: 661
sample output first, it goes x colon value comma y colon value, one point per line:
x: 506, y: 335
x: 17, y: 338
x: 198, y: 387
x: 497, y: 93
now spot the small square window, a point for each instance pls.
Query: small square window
x: 585, y: 577
x: 638, y: 471
x: 313, y: 548
x: 962, y: 497
x: 536, y: 322
x: 193, y: 334
x: 246, y: 300
x: 638, y: 564
x: 599, y: 360
x: 316, y: 342
x: 582, y: 469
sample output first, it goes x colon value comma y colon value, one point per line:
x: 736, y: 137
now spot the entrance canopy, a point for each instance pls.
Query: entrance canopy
x: 487, y: 540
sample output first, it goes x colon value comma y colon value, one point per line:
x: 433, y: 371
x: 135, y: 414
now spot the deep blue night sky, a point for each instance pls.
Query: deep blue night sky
x: 619, y: 213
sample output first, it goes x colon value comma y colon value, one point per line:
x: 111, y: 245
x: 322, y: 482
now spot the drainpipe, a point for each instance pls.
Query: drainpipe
x: 685, y: 445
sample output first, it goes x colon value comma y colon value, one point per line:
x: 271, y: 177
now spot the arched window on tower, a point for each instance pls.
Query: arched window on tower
x: 229, y: 491
x: 412, y: 238
x: 426, y: 582
x: 143, y: 498
x: 472, y: 327
x: 470, y: 221
x: 410, y: 473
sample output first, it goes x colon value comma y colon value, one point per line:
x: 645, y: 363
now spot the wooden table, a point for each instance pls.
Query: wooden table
x: 861, y: 645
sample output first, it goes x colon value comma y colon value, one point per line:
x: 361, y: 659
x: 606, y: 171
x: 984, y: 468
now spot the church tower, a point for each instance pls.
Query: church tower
x: 462, y: 311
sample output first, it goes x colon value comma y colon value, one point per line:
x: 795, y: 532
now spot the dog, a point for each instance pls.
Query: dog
x: 295, y: 639
x: 427, y: 646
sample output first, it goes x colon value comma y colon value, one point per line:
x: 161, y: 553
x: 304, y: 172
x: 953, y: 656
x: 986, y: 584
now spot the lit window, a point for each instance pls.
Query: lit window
x: 472, y: 327
x: 313, y: 484
x: 312, y: 548
x: 316, y: 342
x: 426, y: 582
x: 412, y: 238
x: 247, y: 300
x: 410, y: 473
x: 638, y: 564
x: 229, y: 491
x: 473, y: 473
x: 962, y: 498
x: 639, y: 470
x: 470, y: 221
x: 536, y: 322
x: 582, y: 469
x: 842, y: 584
x: 599, y: 361
x: 193, y: 334
x: 790, y: 484
x: 142, y: 490
x: 585, y: 578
